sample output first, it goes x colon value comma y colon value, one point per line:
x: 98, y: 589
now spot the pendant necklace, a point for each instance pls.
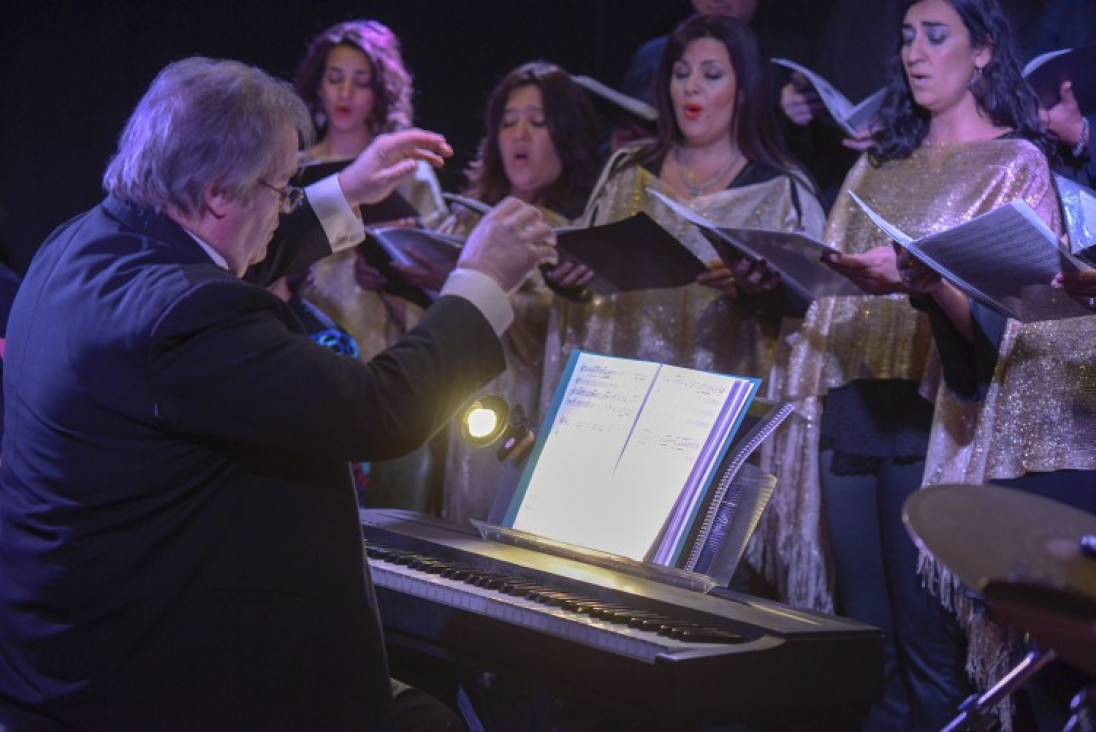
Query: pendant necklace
x: 696, y: 189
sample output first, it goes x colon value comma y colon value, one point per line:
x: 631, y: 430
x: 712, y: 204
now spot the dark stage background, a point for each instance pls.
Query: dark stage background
x: 71, y: 71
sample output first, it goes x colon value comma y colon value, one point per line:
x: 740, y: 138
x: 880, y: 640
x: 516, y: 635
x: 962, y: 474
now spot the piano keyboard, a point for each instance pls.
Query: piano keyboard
x: 610, y: 626
x: 601, y: 636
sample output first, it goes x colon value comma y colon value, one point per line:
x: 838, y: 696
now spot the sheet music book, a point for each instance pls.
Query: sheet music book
x: 631, y: 254
x: 1079, y: 214
x: 631, y: 105
x: 1046, y: 72
x: 386, y: 245
x: 797, y: 257
x: 1004, y: 259
x: 853, y: 118
x: 629, y: 456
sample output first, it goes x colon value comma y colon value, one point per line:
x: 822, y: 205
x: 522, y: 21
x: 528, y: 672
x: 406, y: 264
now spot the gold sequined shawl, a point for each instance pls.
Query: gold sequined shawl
x: 844, y: 339
x: 472, y: 475
x: 691, y: 326
x: 1039, y: 415
x: 374, y: 319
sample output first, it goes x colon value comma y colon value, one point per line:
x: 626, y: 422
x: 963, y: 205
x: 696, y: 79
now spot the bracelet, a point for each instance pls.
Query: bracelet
x: 1079, y: 149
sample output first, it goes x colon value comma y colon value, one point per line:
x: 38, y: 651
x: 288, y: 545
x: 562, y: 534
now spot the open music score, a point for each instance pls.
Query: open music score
x: 627, y: 454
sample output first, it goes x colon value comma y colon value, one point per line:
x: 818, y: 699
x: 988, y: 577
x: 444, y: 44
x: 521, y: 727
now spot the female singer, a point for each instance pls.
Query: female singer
x: 540, y: 145
x: 354, y: 82
x: 718, y: 154
x: 954, y: 140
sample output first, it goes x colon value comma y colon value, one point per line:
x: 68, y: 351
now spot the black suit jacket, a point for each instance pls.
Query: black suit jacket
x: 179, y: 543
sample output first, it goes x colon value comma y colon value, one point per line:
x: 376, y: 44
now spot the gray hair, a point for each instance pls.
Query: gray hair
x: 203, y: 121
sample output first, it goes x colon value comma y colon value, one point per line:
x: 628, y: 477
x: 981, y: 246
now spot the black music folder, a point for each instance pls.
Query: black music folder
x: 631, y: 254
x: 1005, y: 259
x: 388, y: 245
x: 796, y: 257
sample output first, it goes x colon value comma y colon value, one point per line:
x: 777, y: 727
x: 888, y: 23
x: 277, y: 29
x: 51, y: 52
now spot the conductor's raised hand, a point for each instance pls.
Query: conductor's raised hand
x: 509, y: 243
x: 389, y: 159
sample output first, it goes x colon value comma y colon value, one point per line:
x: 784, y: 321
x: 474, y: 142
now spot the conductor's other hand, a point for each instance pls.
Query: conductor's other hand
x: 509, y: 243
x: 389, y: 159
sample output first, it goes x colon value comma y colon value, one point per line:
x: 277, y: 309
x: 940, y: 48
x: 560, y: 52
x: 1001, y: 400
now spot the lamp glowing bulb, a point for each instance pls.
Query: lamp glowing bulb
x: 482, y: 422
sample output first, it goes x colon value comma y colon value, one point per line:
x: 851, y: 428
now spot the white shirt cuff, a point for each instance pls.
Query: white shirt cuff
x: 341, y: 223
x: 483, y: 292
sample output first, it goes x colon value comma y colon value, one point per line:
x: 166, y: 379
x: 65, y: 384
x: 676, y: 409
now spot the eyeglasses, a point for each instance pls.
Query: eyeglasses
x: 291, y: 196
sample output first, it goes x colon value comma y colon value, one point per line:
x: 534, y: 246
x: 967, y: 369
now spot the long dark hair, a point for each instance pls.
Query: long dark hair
x: 571, y: 123
x: 391, y: 82
x: 756, y: 127
x: 1001, y: 92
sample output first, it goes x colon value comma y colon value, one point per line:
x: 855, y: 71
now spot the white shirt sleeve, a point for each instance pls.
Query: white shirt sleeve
x: 342, y: 224
x: 483, y: 292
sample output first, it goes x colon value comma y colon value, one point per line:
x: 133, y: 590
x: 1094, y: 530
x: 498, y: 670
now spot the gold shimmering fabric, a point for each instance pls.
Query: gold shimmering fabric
x: 691, y: 326
x: 844, y: 339
x: 1039, y: 414
x: 472, y: 475
x: 374, y: 319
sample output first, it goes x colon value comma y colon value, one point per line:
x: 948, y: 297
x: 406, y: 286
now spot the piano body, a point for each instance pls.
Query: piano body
x: 611, y: 639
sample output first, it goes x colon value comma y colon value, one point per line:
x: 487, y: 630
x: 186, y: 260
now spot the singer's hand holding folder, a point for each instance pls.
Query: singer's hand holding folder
x: 796, y: 257
x: 1005, y: 259
x: 855, y: 119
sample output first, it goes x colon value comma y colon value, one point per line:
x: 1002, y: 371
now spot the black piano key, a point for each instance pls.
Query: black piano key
x: 457, y: 573
x: 667, y: 627
x: 550, y: 598
x: 400, y: 557
x: 640, y: 616
x: 654, y: 624
x: 583, y: 605
x: 606, y: 610
x: 493, y: 582
x: 518, y: 587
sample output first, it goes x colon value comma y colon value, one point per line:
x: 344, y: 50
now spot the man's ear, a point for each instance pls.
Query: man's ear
x: 216, y: 200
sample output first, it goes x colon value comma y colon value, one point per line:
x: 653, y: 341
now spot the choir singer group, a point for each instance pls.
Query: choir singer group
x: 191, y: 366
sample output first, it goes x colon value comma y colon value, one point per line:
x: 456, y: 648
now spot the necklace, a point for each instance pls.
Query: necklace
x: 696, y: 189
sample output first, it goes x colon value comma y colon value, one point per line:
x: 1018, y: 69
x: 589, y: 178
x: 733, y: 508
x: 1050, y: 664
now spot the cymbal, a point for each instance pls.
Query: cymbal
x: 984, y: 533
x: 1057, y: 619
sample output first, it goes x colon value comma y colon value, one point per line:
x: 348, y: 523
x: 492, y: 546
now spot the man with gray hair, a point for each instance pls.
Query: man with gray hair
x: 179, y: 540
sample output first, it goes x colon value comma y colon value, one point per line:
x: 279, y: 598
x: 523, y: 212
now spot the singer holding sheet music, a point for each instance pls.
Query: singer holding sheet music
x: 717, y: 153
x: 353, y: 79
x: 540, y: 145
x: 955, y: 140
